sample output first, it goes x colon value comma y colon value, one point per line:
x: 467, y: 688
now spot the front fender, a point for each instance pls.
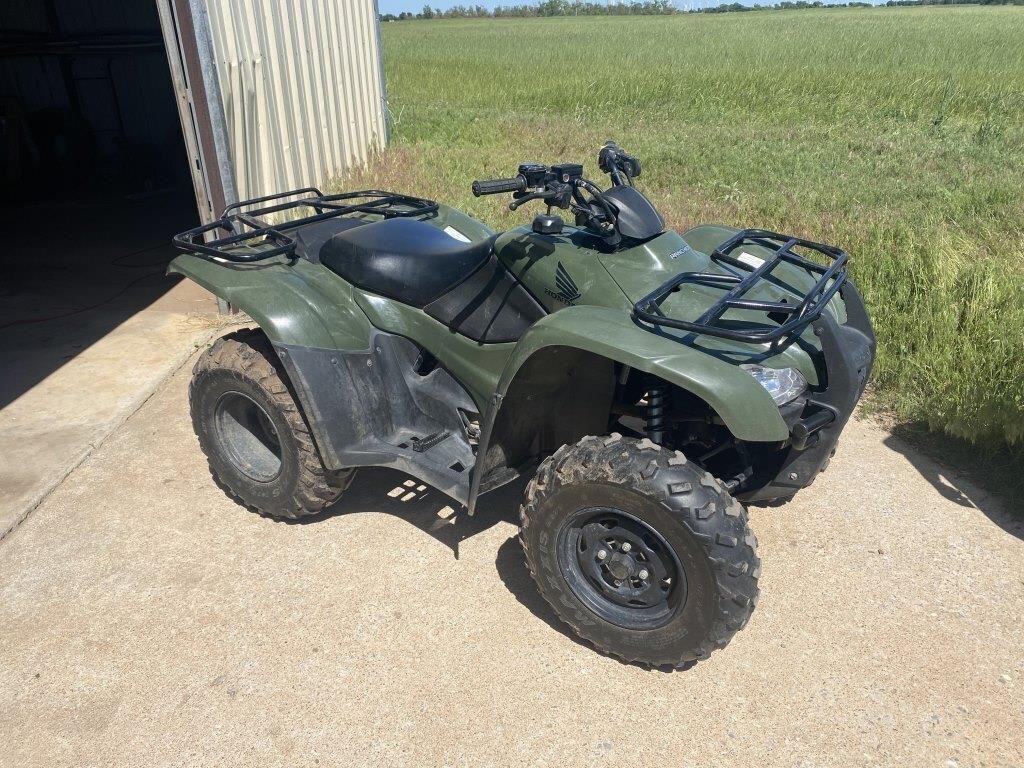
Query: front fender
x: 746, y: 408
x: 294, y: 304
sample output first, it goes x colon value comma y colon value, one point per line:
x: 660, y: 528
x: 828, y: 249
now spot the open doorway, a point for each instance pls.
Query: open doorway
x: 95, y: 178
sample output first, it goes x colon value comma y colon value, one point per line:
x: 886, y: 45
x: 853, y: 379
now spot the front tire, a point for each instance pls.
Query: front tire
x: 641, y: 552
x: 253, y: 432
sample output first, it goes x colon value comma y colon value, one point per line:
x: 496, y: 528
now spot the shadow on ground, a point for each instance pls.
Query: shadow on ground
x: 74, y: 271
x: 993, y: 477
x: 511, y: 566
x: 388, y: 491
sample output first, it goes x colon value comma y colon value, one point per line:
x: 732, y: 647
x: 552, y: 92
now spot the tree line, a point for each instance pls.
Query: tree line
x: 544, y: 8
x: 645, y: 8
x: 569, y: 8
x: 954, y: 2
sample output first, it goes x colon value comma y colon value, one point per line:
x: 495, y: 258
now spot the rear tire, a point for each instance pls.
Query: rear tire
x: 253, y: 432
x: 642, y: 553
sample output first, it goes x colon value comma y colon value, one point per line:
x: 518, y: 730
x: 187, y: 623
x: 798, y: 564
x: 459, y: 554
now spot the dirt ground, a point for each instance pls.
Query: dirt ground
x: 146, y: 620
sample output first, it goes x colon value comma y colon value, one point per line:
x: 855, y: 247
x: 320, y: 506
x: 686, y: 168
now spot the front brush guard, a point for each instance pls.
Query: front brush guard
x: 849, y: 351
x: 830, y: 280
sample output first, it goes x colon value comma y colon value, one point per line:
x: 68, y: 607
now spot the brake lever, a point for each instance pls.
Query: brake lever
x: 527, y: 198
x: 555, y: 194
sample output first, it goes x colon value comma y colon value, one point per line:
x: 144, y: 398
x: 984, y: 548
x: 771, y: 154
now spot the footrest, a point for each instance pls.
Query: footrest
x: 421, y: 444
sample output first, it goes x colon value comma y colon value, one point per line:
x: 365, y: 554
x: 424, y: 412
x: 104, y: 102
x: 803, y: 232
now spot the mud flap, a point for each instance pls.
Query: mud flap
x: 374, y: 407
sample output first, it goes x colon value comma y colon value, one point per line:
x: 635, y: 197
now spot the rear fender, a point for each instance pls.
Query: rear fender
x: 291, y: 303
x: 310, y: 321
x: 568, y: 358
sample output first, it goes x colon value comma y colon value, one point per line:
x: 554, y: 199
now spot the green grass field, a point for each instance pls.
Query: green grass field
x: 895, y: 133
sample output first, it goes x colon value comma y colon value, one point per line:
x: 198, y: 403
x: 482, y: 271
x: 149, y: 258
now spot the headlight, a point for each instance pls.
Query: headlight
x: 783, y: 384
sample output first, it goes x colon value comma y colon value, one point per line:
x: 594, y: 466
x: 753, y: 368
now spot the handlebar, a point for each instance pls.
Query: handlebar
x: 563, y: 186
x: 499, y: 186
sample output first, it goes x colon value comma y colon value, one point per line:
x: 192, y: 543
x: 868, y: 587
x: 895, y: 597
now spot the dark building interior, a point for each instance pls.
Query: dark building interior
x: 95, y: 176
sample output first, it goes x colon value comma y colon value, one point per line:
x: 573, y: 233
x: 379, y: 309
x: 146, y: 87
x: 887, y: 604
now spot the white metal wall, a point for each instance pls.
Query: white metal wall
x: 302, y: 89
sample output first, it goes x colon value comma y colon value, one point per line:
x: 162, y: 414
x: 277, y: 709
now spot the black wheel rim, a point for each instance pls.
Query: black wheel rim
x: 248, y: 436
x: 621, y: 568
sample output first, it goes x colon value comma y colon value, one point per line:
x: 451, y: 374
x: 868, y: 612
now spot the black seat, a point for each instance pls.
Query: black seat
x: 404, y: 259
x: 310, y: 238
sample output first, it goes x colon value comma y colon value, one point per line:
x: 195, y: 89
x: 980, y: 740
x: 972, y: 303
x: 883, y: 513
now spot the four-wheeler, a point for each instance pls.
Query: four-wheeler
x: 647, y: 382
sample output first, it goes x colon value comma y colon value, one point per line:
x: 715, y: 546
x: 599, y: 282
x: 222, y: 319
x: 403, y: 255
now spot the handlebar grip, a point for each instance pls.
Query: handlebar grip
x: 498, y: 186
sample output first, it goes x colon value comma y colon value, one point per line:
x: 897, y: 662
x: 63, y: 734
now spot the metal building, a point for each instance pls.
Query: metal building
x: 270, y: 95
x: 123, y: 122
x: 275, y: 95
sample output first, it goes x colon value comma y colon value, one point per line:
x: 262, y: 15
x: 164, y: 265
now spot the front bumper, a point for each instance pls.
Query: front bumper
x: 849, y: 352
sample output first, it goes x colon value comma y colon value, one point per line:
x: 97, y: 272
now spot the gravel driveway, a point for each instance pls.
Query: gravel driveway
x: 146, y: 620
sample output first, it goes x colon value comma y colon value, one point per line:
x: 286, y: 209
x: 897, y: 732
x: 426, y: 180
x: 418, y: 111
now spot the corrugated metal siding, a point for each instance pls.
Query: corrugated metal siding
x: 301, y: 86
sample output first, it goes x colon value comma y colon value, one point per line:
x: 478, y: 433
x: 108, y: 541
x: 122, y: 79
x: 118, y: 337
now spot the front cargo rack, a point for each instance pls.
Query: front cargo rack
x: 239, y: 235
x: 830, y: 280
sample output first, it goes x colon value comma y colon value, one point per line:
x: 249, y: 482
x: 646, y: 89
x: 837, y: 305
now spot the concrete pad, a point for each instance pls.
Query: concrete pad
x: 62, y: 393
x: 146, y: 620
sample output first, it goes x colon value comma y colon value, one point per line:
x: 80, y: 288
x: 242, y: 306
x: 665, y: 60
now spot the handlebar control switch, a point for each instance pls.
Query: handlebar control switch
x: 567, y: 172
x: 612, y: 159
x: 534, y: 173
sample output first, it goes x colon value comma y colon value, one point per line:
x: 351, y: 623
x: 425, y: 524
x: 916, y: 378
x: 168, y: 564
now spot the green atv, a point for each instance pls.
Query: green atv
x: 648, y: 381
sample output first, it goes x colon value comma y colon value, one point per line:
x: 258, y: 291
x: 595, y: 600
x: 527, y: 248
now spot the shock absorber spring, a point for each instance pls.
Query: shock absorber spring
x: 656, y: 397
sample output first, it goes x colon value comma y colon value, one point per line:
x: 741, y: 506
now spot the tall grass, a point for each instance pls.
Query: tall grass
x: 895, y: 133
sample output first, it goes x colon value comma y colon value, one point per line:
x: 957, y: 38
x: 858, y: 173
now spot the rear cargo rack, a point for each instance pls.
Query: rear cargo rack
x: 809, y: 308
x: 240, y: 226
